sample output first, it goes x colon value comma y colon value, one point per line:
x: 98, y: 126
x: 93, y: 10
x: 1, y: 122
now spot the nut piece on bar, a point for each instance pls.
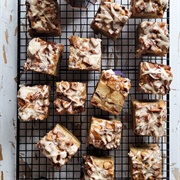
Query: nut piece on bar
x: 70, y: 97
x: 149, y: 117
x: 98, y: 168
x: 111, y: 92
x: 33, y: 102
x: 145, y: 162
x: 104, y: 134
x: 85, y: 54
x: 152, y: 39
x: 148, y: 8
x: 43, y: 57
x: 110, y: 19
x: 43, y: 17
x: 59, y: 145
x: 154, y: 78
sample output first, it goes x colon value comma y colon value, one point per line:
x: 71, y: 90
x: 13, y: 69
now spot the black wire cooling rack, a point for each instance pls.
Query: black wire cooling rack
x: 118, y: 55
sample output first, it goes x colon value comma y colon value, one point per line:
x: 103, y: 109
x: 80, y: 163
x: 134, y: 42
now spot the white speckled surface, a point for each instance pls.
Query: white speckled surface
x: 8, y: 48
x: 175, y: 90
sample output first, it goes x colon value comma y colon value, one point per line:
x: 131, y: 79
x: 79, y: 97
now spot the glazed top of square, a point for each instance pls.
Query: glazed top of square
x: 99, y: 168
x: 154, y: 78
x: 72, y: 95
x: 59, y: 145
x: 111, y: 17
x: 85, y: 54
x: 146, y: 161
x: 149, y: 117
x: 43, y: 15
x: 33, y: 102
x: 153, y: 36
x: 105, y: 134
x: 43, y: 56
x: 149, y: 7
x: 115, y: 82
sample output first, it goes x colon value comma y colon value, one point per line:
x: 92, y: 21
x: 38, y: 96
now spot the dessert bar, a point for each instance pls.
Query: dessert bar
x: 152, y: 39
x: 145, y: 162
x: 111, y: 92
x: 85, y: 54
x: 154, y: 78
x: 59, y: 146
x: 33, y: 102
x: 110, y: 19
x: 104, y: 134
x: 70, y: 97
x: 43, y: 57
x: 148, y: 8
x: 149, y: 117
x: 43, y: 17
x: 98, y: 168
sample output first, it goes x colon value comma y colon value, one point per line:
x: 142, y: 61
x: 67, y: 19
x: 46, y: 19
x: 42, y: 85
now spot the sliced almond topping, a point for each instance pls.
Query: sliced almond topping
x: 75, y: 86
x: 65, y: 104
x: 116, y: 7
x: 94, y: 42
x: 49, y: 137
x: 65, y: 85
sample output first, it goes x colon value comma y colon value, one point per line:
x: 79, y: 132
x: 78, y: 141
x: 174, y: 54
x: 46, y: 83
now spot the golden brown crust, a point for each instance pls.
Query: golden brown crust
x: 110, y: 19
x: 98, y: 168
x: 43, y: 17
x: 154, y: 78
x: 59, y: 145
x: 149, y: 117
x: 70, y: 97
x: 111, y: 92
x: 104, y: 134
x: 43, y: 57
x: 145, y: 162
x: 85, y: 54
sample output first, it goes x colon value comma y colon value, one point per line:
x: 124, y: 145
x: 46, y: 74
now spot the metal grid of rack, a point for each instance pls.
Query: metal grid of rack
x: 118, y: 55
